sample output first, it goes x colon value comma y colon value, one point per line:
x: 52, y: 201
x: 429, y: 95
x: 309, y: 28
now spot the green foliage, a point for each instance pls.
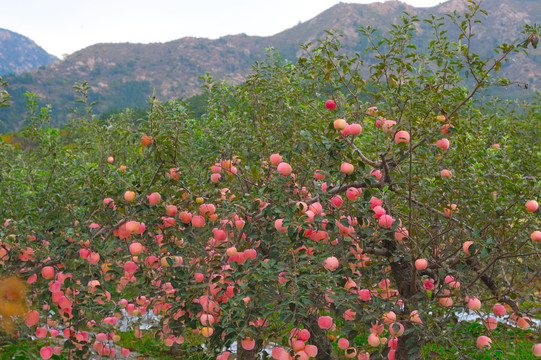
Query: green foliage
x: 4, y: 95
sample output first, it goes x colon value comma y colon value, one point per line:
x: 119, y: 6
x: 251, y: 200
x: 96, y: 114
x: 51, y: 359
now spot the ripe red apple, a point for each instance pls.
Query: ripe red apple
x: 343, y: 343
x: 247, y: 344
x: 47, y: 272
x: 374, y: 340
x: 376, y: 173
x: 324, y: 322
x: 318, y: 175
x: 136, y: 248
x: 421, y: 264
x: 355, y: 129
x: 536, y: 349
x: 278, y: 225
x: 499, y: 309
x: 330, y: 104
x: 129, y: 195
x: 46, y: 352
x: 445, y: 128
x: 226, y: 164
x: 231, y: 251
x: 146, y: 140
x: 388, y: 125
x: 198, y: 221
x: 443, y: 144
x: 340, y: 124
x: 523, y: 322
x: 531, y: 206
x: 275, y: 159
x: 466, y: 246
x: 386, y: 221
x: 402, y: 136
x: 446, y: 302
x: 372, y: 110
x: 207, y: 331
x: 171, y: 210
x: 154, y: 198
x: 346, y: 168
x: 396, y: 329
x: 483, y: 341
x: 185, y: 217
x: 491, y: 323
x: 331, y: 263
x: 534, y: 40
x: 446, y: 173
x: 284, y: 169
x: 474, y: 304
x: 389, y: 317
x: 132, y: 227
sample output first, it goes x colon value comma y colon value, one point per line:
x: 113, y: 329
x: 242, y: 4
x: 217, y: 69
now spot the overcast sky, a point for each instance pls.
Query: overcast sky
x: 65, y: 26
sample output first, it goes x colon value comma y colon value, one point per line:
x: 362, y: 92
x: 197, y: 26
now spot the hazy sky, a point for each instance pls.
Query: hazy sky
x: 65, y: 26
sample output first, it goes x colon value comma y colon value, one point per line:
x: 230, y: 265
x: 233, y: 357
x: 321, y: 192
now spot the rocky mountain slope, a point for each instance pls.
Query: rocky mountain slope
x: 19, y: 54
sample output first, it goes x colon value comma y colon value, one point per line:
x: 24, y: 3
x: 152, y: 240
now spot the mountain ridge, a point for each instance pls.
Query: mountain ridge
x: 19, y: 54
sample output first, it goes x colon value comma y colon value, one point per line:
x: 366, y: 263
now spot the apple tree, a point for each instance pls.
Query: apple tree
x: 323, y: 209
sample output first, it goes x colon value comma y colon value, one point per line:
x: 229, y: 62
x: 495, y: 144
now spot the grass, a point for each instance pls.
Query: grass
x: 504, y: 345
x: 22, y: 349
x: 460, y: 347
x: 155, y: 349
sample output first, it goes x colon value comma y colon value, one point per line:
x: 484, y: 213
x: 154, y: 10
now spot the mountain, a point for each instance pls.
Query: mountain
x: 19, y: 54
x: 124, y: 75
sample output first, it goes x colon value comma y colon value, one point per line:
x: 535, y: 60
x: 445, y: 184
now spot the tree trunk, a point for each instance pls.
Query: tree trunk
x: 244, y: 354
x: 410, y: 344
x: 319, y: 337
